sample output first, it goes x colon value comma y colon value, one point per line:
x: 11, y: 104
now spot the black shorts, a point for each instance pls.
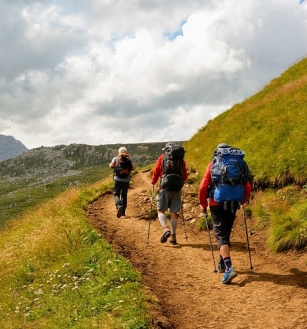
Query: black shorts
x: 222, y: 221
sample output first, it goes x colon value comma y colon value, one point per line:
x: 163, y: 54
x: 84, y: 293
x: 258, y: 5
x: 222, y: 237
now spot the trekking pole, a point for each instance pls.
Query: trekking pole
x: 151, y: 202
x: 247, y: 239
x: 183, y: 221
x: 212, y: 254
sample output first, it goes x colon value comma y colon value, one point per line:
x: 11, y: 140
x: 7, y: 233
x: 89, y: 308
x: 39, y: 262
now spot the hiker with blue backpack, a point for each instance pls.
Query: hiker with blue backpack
x: 170, y: 168
x: 122, y: 166
x: 226, y: 185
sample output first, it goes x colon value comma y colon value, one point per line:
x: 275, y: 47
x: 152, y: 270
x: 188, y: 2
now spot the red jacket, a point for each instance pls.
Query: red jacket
x: 203, y: 189
x: 158, y: 170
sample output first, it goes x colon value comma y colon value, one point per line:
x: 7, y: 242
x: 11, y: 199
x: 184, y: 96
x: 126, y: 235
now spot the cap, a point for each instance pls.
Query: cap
x: 222, y: 145
x: 122, y: 150
x: 168, y: 145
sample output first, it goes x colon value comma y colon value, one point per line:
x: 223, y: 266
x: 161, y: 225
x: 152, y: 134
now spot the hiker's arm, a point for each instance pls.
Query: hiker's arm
x: 113, y: 162
x: 203, y: 187
x: 247, y: 192
x: 157, y: 170
x: 184, y: 171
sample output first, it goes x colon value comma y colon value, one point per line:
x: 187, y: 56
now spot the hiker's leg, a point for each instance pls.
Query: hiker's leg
x: 174, y: 222
x: 162, y: 205
x: 225, y: 252
x: 125, y: 186
x: 220, y: 229
x: 175, y: 206
x: 230, y: 218
x: 218, y: 215
x: 116, y: 193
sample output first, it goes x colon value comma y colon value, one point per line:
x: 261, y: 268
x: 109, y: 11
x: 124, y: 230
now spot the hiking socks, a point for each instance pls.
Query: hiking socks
x: 221, y: 260
x: 221, y: 265
x: 174, y: 223
x: 162, y: 219
x: 227, y: 262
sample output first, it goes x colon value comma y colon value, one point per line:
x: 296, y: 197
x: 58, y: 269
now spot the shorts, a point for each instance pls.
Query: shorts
x: 169, y: 200
x: 222, y: 221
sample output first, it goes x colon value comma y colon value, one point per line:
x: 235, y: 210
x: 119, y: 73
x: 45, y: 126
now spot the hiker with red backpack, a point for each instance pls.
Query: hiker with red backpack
x: 226, y: 185
x: 122, y: 166
x: 170, y: 168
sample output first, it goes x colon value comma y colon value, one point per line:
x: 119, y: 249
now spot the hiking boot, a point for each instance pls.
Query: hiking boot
x: 124, y: 211
x: 166, y: 234
x: 229, y: 275
x: 119, y: 211
x: 221, y: 267
x: 172, y: 239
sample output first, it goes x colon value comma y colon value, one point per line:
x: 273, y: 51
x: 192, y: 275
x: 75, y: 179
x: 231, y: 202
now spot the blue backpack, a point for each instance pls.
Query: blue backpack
x: 229, y: 174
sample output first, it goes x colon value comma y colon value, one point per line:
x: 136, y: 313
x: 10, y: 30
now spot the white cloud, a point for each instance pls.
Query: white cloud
x: 119, y: 71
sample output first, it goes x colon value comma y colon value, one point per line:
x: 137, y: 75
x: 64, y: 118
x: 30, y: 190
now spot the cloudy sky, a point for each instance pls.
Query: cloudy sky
x: 117, y: 71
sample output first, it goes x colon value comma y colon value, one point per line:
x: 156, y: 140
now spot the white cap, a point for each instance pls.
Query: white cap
x: 122, y: 150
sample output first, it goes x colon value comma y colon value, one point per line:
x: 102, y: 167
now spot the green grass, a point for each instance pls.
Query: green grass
x: 269, y: 127
x: 57, y: 272
x: 21, y: 195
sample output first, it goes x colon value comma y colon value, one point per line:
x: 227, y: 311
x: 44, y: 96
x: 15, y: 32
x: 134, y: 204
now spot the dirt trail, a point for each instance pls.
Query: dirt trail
x: 182, y: 277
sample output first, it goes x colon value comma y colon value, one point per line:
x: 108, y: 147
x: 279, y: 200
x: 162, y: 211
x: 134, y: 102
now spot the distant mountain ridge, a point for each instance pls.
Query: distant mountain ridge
x: 45, y: 165
x: 43, y: 172
x: 63, y: 160
x: 10, y: 147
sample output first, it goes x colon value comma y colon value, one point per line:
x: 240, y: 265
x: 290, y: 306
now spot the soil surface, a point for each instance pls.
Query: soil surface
x: 188, y: 293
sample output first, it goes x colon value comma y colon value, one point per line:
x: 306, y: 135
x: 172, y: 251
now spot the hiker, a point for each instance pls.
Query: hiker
x: 223, y: 208
x: 122, y: 165
x: 171, y: 169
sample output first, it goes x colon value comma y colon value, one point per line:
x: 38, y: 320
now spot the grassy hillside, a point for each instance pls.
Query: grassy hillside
x: 57, y: 272
x: 271, y: 128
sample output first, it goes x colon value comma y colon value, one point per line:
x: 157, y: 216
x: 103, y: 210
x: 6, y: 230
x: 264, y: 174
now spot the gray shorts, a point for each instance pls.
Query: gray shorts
x: 169, y: 200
